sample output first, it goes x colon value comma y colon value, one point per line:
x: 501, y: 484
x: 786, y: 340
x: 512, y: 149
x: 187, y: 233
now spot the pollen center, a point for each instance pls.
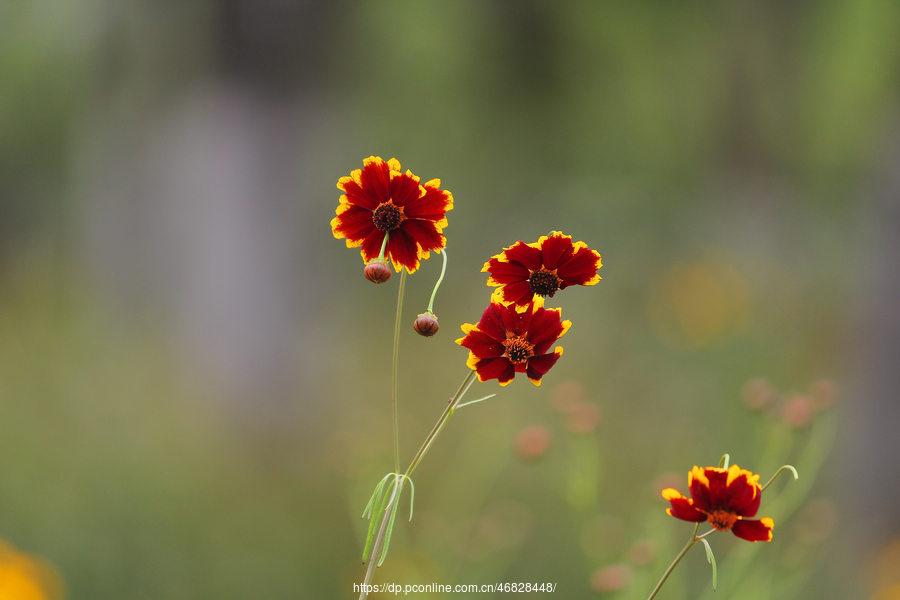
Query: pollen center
x: 518, y: 350
x: 722, y: 520
x: 544, y: 282
x: 388, y: 216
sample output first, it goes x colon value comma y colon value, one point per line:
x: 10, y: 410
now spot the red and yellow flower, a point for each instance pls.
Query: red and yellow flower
x: 724, y: 498
x: 380, y: 200
x: 506, y: 341
x: 553, y: 263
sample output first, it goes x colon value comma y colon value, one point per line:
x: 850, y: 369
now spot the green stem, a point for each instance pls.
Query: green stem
x: 690, y: 544
x: 438, y: 284
x: 394, y: 371
x: 777, y: 473
x: 454, y: 403
x: 376, y: 548
x: 384, y: 245
x: 379, y: 539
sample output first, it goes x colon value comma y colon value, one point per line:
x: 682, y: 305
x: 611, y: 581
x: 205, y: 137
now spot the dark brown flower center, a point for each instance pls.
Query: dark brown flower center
x: 388, y: 216
x: 722, y: 520
x: 544, y: 282
x: 518, y: 350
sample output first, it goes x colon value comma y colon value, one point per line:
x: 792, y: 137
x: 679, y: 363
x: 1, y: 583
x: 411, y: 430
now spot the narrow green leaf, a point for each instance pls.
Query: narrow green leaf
x: 367, y: 513
x: 711, y: 559
x: 458, y: 406
x: 390, y: 516
x: 376, y: 514
x: 412, y: 497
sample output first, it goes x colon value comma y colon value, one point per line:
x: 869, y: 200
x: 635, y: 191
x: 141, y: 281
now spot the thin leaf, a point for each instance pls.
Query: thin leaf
x: 376, y: 514
x: 367, y: 513
x: 390, y: 516
x: 412, y: 496
x: 458, y: 406
x: 711, y: 559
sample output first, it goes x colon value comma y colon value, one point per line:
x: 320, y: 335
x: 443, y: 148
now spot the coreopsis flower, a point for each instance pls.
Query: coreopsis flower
x: 380, y: 200
x: 505, y: 341
x: 724, y: 498
x: 553, y: 263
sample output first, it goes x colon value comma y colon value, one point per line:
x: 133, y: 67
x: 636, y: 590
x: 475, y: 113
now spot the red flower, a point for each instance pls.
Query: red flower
x: 506, y: 342
x: 379, y: 200
x: 551, y: 264
x: 724, y: 497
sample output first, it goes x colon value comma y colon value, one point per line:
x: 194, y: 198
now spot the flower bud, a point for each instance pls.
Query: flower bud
x: 426, y: 324
x: 378, y: 271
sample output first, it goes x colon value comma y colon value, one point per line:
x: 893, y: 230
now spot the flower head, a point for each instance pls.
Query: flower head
x: 553, y: 263
x: 380, y: 200
x: 506, y: 342
x: 723, y: 497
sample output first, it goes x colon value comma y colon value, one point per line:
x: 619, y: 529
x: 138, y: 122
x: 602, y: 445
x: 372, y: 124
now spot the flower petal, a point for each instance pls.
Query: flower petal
x: 517, y: 322
x: 491, y: 322
x: 424, y: 233
x: 525, y: 254
x: 405, y: 188
x: 482, y: 345
x: 518, y: 293
x: 743, y: 492
x: 354, y: 194
x: 539, y: 365
x: 754, y: 530
x: 376, y: 178
x: 503, y: 273
x: 556, y: 249
x: 403, y: 250
x: 699, y: 483
x: 352, y: 221
x: 546, y: 326
x: 371, y: 247
x: 499, y: 368
x: 581, y: 268
x: 431, y: 204
x: 682, y: 508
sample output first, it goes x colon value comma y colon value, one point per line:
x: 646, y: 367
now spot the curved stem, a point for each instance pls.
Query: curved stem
x: 777, y: 473
x: 694, y: 539
x: 396, y: 355
x: 438, y: 284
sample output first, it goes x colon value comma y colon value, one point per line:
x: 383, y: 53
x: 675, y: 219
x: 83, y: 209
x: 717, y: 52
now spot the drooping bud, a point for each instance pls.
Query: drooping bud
x: 426, y: 324
x: 378, y: 271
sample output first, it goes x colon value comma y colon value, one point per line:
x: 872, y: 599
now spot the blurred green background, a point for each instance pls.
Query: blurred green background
x: 195, y: 377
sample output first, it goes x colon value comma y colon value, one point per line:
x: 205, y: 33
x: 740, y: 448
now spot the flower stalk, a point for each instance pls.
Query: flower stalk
x: 387, y: 512
x: 394, y: 367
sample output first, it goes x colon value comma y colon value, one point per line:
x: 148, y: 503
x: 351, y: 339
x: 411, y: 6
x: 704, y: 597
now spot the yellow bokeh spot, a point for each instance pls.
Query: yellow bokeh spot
x: 25, y: 578
x: 696, y: 304
x: 883, y: 571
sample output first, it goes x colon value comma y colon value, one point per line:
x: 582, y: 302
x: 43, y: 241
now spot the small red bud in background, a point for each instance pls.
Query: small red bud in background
x: 426, y: 324
x: 378, y: 271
